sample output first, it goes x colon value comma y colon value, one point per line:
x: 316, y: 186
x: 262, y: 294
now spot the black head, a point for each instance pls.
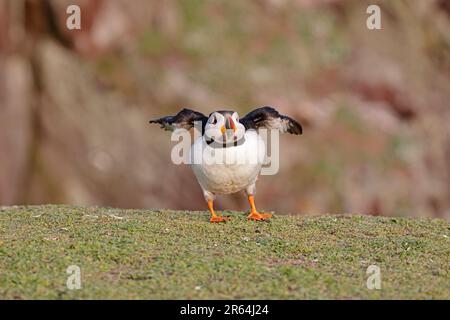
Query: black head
x: 225, y: 113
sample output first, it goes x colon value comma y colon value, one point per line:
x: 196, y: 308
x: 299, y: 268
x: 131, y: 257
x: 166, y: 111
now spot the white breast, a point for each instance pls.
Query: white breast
x: 231, y: 169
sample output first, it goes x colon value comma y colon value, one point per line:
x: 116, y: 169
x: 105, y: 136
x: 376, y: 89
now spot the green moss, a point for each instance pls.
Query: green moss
x: 166, y: 254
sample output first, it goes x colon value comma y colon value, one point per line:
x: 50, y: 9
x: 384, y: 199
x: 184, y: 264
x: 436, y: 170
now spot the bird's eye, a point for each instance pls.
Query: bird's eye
x: 214, y: 121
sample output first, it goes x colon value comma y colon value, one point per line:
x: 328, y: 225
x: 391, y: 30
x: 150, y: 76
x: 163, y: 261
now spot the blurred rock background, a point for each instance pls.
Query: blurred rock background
x: 75, y: 105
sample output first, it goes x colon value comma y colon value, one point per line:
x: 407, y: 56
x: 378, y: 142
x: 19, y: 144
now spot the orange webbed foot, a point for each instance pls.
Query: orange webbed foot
x: 217, y: 219
x: 255, y: 216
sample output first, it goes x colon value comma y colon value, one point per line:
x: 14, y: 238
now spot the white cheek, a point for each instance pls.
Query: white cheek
x: 211, y: 132
x: 240, y: 131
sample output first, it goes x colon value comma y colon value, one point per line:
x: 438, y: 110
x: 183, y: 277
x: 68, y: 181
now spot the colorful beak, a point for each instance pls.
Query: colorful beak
x: 229, y: 124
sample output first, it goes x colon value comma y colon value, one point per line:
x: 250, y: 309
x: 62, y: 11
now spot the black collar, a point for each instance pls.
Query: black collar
x: 213, y: 144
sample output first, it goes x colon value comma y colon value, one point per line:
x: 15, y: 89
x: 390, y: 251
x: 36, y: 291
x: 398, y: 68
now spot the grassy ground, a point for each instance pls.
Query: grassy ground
x: 179, y: 255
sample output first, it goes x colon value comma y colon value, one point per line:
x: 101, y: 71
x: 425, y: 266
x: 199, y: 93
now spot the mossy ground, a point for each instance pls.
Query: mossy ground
x: 158, y: 254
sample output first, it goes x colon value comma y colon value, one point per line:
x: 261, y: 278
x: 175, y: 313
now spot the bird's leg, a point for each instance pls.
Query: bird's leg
x: 254, y: 214
x: 214, y: 216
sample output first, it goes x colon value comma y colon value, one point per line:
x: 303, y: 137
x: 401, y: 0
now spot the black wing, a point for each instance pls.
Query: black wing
x: 184, y: 119
x: 268, y: 117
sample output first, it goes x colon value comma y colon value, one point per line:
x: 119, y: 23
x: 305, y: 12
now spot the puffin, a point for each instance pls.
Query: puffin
x: 229, y: 154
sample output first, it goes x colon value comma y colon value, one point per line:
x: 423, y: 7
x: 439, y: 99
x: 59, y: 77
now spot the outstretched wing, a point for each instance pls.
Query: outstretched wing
x: 184, y: 119
x: 268, y: 117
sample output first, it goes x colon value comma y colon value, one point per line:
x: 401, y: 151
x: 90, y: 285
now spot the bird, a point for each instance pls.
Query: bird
x: 228, y: 156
